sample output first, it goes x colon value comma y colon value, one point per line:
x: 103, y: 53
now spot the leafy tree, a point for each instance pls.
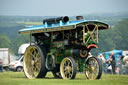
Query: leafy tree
x: 21, y: 39
x: 122, y: 39
x: 4, y: 41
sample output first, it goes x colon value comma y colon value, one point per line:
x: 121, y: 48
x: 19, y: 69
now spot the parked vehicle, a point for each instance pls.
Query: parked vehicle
x: 5, y: 57
x: 17, y: 65
x: 63, y: 46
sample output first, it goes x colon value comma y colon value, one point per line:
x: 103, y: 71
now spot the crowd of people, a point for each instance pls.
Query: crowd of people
x: 110, y: 65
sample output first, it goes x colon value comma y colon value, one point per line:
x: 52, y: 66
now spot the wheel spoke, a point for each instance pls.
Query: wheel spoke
x: 37, y: 60
x: 34, y: 54
x: 37, y: 54
x: 38, y: 66
x: 66, y: 73
x: 69, y: 63
x: 31, y: 55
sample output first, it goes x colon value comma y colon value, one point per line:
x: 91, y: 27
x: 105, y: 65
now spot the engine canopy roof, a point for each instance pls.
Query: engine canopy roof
x: 62, y: 26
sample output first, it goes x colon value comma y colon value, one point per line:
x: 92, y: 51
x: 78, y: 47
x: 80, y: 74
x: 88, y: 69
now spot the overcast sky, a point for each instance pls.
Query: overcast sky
x: 61, y: 7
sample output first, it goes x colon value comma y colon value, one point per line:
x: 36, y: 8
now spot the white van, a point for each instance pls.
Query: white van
x: 17, y: 65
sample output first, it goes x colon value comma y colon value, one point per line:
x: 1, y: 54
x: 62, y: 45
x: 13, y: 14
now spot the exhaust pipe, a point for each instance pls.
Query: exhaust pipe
x: 64, y: 19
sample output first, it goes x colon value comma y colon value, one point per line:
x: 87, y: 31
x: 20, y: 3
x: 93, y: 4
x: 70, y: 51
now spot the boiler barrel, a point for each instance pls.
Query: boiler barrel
x: 76, y: 52
x: 72, y: 52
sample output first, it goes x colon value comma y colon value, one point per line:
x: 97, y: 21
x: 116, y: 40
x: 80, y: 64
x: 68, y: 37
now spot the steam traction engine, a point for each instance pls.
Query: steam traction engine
x: 62, y: 47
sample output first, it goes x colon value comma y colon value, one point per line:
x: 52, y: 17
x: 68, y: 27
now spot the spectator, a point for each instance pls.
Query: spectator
x: 112, y: 62
x: 125, y: 59
x: 101, y: 57
x: 79, y: 17
x: 125, y: 62
x: 1, y: 65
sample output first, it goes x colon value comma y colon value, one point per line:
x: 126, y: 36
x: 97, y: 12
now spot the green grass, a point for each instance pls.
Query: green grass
x: 18, y: 78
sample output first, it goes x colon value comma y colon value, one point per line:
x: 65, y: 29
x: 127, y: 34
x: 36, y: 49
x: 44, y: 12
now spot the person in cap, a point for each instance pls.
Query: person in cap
x: 112, y: 61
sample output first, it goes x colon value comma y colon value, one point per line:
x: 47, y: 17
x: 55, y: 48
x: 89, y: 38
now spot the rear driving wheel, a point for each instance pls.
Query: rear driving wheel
x: 93, y: 68
x: 34, y: 62
x: 68, y: 68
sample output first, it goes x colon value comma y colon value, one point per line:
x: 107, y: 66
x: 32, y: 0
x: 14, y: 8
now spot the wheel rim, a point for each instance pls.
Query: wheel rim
x: 66, y: 68
x: 32, y: 62
x: 19, y: 69
x: 92, y: 69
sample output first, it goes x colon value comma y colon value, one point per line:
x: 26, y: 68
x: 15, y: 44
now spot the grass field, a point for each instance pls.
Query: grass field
x: 18, y: 78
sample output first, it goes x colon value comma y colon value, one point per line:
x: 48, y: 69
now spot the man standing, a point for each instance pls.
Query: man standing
x: 1, y: 65
x: 112, y: 62
x: 102, y: 59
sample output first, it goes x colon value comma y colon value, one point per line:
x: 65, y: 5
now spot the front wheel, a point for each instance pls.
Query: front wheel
x: 19, y: 69
x: 93, y: 68
x: 68, y: 68
x: 34, y: 62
